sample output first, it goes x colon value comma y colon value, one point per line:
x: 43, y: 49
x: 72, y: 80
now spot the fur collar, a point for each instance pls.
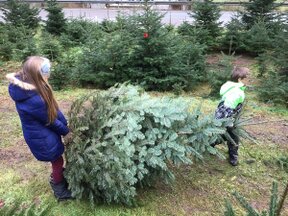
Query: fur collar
x: 13, y: 80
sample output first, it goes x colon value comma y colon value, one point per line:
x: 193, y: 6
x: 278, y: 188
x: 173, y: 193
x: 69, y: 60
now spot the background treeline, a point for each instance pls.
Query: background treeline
x: 141, y: 50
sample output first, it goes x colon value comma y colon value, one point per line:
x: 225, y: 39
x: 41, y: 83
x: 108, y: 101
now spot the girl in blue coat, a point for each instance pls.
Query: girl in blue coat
x: 43, y: 123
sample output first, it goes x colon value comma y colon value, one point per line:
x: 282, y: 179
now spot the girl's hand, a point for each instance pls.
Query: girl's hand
x: 68, y: 138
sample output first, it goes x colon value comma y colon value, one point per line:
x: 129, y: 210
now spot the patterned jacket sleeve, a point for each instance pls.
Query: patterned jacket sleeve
x: 225, y: 112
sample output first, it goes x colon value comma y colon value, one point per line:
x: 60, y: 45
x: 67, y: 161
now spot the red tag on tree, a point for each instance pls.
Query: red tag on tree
x: 145, y: 35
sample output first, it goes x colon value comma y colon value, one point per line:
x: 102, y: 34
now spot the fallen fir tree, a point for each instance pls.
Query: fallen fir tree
x: 123, y: 138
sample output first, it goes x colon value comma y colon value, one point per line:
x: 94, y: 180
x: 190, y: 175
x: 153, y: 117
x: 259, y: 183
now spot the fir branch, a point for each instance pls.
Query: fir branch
x: 281, y: 202
x: 245, y: 204
x: 229, y: 211
x: 273, y: 201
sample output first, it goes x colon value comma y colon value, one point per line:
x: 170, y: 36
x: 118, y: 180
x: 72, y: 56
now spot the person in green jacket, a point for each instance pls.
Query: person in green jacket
x: 232, y: 99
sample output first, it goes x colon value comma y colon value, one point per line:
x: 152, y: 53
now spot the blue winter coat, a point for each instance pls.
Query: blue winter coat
x: 43, y: 140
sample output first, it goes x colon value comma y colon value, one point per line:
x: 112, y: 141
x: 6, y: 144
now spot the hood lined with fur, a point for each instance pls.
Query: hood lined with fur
x: 44, y: 141
x: 15, y: 81
x: 19, y: 90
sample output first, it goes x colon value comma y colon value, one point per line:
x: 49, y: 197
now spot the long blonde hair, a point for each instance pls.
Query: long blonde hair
x: 31, y: 74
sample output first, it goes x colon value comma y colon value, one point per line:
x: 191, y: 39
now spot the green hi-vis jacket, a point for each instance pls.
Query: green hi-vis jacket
x: 232, y: 94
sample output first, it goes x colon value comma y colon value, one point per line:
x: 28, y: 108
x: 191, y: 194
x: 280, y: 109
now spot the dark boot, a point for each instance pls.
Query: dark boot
x: 233, y: 154
x: 233, y: 160
x: 61, y: 191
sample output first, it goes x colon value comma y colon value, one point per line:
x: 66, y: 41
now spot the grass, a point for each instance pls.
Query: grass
x: 199, y: 189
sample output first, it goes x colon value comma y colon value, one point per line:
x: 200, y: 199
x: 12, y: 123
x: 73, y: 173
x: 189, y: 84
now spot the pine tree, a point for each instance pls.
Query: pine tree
x: 50, y: 46
x: 17, y: 42
x: 234, y: 36
x: 6, y: 47
x: 206, y: 15
x: 219, y: 74
x: 123, y: 138
x: 56, y: 23
x: 274, y: 82
x: 108, y: 61
x: 140, y: 50
x: 260, y: 10
x: 18, y: 13
x: 258, y: 39
x: 157, y: 62
x: 63, y: 73
x: 79, y: 32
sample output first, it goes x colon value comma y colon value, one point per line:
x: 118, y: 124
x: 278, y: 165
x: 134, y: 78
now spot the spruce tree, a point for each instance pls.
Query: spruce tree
x: 108, y: 61
x: 233, y: 40
x: 17, y: 42
x: 50, y: 46
x: 6, y: 47
x: 259, y: 10
x: 157, y: 63
x: 56, y: 23
x: 141, y: 50
x: 219, y: 73
x: 123, y: 138
x: 206, y: 15
x: 274, y: 82
x: 18, y: 13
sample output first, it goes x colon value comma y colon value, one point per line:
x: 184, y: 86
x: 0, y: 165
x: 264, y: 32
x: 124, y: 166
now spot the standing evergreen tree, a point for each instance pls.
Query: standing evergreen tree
x: 206, y: 15
x: 56, y: 23
x: 219, y: 74
x: 274, y: 82
x: 157, y: 61
x: 109, y: 61
x: 233, y: 39
x: 258, y: 38
x: 18, y: 13
x: 259, y: 10
x: 6, y: 47
x: 50, y: 46
x: 143, y: 51
x: 17, y: 42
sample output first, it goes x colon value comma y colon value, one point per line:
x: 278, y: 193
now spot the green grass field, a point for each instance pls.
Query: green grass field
x: 199, y: 189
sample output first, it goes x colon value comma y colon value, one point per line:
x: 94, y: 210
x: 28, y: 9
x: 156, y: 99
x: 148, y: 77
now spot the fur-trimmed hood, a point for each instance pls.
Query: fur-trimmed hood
x: 13, y: 79
x: 18, y: 89
x: 43, y: 140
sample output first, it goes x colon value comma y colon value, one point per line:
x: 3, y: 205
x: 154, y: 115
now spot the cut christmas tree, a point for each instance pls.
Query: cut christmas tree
x: 123, y: 138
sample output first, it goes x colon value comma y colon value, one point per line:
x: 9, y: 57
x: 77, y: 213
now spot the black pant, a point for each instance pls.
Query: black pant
x: 232, y: 148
